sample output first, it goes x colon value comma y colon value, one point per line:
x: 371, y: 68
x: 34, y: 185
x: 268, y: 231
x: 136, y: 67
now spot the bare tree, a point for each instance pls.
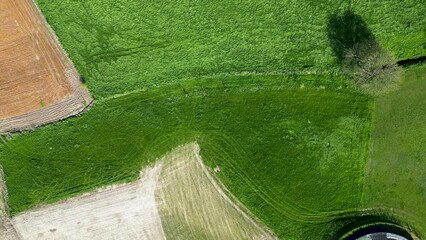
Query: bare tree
x: 371, y: 67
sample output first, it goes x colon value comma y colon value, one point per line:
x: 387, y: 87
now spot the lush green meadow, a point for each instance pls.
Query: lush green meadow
x: 279, y: 147
x: 398, y: 25
x: 255, y: 83
x: 125, y: 45
x: 396, y: 173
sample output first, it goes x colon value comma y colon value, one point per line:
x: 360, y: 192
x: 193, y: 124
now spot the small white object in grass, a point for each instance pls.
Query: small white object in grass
x: 216, y: 169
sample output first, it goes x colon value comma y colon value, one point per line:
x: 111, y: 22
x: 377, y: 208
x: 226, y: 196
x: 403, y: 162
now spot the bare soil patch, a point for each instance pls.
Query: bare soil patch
x: 125, y: 211
x: 36, y: 73
x: 7, y: 231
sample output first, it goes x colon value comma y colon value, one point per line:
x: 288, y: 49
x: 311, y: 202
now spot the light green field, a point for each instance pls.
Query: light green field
x: 396, y: 174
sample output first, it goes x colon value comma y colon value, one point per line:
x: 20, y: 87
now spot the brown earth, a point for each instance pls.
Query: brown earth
x: 35, y: 72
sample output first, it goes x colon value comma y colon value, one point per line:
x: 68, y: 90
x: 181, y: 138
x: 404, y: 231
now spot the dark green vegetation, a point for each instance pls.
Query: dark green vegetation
x: 255, y: 83
x: 396, y: 173
x: 344, y: 31
x: 294, y: 146
x: 124, y: 45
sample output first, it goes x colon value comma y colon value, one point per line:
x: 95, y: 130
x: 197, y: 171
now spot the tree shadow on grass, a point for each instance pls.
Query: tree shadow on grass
x: 344, y: 31
x: 360, y: 55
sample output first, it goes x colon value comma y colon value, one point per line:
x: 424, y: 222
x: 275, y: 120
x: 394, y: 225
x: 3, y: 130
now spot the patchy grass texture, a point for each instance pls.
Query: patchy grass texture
x: 255, y: 83
x: 275, y: 146
x: 193, y: 206
x: 396, y: 173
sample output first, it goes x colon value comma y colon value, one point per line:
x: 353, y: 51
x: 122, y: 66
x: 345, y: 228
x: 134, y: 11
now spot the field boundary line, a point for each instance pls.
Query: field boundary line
x: 236, y: 206
x: 223, y: 74
x: 69, y: 107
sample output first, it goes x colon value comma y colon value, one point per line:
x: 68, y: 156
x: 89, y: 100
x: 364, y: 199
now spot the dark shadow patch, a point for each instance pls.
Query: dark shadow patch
x: 360, y: 55
x: 412, y: 61
x: 368, y: 224
x: 344, y: 31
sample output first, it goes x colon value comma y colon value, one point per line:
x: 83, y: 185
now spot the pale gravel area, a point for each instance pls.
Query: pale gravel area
x: 117, y: 212
x: 7, y: 231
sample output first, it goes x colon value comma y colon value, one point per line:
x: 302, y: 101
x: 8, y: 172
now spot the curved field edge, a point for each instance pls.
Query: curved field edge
x: 193, y: 206
x: 125, y: 211
x: 312, y: 138
x: 379, y: 226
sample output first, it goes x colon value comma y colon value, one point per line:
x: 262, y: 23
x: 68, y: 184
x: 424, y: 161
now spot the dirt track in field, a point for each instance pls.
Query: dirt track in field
x: 38, y: 82
x: 123, y: 212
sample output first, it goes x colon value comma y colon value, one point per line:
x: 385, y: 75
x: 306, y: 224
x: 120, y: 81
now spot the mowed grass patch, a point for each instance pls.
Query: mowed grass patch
x: 192, y: 205
x: 280, y: 150
x: 124, y: 45
x: 396, y: 173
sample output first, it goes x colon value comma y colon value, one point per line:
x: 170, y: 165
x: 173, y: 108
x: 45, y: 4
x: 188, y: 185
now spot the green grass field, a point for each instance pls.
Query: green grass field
x: 124, y: 45
x: 256, y: 84
x: 396, y: 174
x: 288, y: 143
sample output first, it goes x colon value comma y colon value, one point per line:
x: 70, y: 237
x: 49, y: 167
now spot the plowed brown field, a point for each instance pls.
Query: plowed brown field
x: 35, y: 72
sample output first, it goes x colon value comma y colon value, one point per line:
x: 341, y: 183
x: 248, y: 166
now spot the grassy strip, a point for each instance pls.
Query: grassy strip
x: 299, y: 148
x: 395, y: 175
x: 123, y: 45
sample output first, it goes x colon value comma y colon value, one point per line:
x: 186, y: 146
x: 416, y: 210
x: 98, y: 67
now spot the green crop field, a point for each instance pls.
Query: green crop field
x: 256, y: 84
x: 396, y: 175
x: 125, y: 45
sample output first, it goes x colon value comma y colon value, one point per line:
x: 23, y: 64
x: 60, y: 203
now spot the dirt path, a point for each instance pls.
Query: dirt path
x: 121, y: 212
x: 38, y: 82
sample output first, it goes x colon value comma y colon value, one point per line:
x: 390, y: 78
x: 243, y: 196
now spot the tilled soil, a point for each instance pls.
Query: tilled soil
x: 35, y: 71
